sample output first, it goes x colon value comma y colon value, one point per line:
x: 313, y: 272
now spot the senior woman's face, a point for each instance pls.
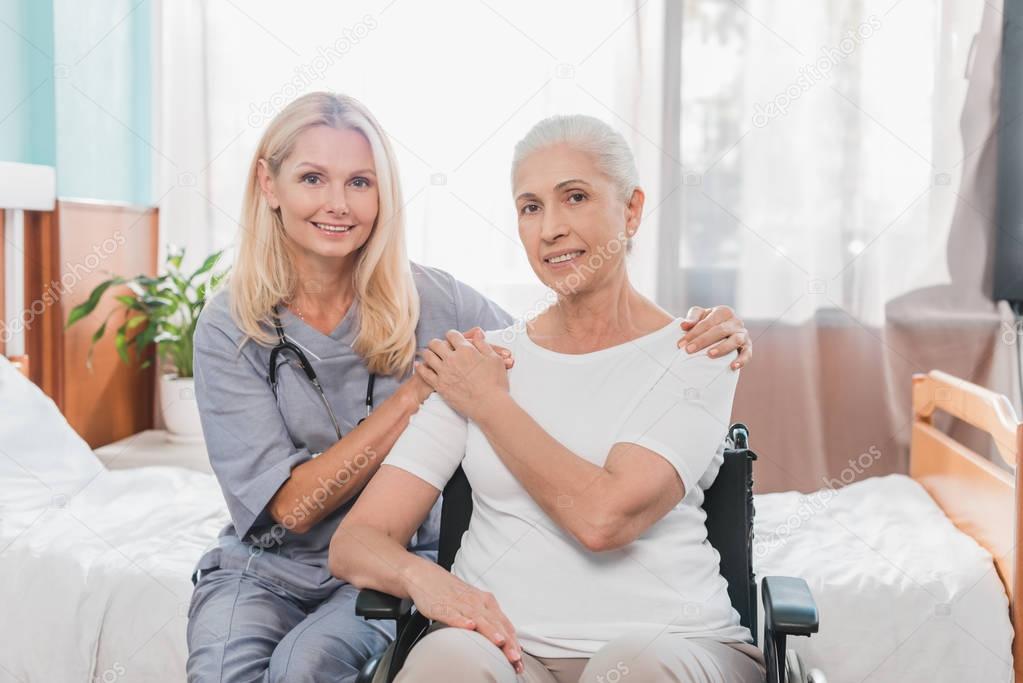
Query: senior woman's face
x: 572, y: 220
x: 327, y: 191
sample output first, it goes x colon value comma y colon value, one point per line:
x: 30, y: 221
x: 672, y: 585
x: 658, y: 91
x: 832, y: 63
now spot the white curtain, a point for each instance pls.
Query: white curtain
x: 821, y: 149
x: 455, y: 86
x: 836, y: 186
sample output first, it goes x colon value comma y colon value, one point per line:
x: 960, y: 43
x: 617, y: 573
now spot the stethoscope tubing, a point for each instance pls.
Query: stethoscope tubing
x: 284, y: 345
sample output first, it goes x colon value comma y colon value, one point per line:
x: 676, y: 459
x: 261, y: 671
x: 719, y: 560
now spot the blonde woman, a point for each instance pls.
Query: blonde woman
x: 313, y: 340
x: 586, y: 558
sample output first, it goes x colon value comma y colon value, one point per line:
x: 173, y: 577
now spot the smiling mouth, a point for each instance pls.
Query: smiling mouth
x: 564, y: 258
x: 330, y: 227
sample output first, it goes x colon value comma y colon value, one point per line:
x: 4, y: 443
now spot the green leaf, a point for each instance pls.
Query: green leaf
x: 137, y: 289
x: 210, y: 261
x: 146, y: 337
x: 175, y: 255
x: 135, y: 322
x: 98, y: 334
x: 84, y: 309
x: 215, y: 280
x: 181, y: 284
x: 121, y: 344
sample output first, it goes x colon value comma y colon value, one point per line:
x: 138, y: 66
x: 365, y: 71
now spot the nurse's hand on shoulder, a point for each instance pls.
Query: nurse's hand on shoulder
x: 443, y: 597
x: 466, y: 372
x: 720, y: 329
x: 419, y: 390
x: 476, y: 334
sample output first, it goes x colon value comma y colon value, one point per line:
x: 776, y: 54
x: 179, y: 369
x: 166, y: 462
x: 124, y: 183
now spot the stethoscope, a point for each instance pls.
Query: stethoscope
x: 285, y: 345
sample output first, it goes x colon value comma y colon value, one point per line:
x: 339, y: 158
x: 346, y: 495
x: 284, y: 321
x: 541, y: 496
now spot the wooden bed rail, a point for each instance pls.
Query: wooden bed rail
x: 976, y: 494
x: 977, y: 406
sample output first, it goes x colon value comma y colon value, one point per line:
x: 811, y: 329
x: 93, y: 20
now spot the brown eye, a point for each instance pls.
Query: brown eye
x: 576, y: 197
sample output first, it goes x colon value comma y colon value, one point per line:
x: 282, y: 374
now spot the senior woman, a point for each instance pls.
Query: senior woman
x: 315, y: 339
x: 586, y: 557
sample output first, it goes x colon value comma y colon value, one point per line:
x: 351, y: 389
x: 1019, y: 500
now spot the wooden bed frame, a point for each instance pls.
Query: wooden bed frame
x: 977, y: 495
x: 67, y: 252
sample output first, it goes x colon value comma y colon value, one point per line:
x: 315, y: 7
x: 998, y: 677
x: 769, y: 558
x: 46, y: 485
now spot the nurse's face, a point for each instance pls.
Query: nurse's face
x: 326, y: 191
x: 572, y: 219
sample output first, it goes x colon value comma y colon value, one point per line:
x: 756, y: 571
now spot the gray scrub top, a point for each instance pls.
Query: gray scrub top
x: 254, y: 440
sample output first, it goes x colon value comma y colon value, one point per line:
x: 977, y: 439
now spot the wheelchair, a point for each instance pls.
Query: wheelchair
x: 789, y: 607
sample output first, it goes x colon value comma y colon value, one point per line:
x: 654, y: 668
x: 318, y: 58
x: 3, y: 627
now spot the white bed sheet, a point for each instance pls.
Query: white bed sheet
x: 98, y: 589
x: 902, y: 594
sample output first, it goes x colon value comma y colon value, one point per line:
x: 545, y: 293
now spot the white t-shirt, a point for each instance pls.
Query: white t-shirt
x: 562, y: 599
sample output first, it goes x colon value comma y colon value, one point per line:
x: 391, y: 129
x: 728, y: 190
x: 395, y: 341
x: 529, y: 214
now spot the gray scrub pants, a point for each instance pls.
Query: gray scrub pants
x: 242, y: 627
x: 453, y: 654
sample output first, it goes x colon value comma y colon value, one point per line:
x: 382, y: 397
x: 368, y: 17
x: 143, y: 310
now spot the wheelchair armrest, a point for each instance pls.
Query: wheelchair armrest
x: 373, y: 604
x: 789, y: 607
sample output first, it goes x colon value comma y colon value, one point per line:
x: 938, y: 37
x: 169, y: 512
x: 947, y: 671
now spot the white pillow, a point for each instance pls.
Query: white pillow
x: 43, y: 461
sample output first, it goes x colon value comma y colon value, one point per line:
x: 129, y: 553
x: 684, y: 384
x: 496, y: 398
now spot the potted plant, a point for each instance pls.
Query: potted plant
x: 161, y: 311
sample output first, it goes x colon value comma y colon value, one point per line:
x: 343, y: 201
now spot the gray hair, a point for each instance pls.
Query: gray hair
x: 588, y: 134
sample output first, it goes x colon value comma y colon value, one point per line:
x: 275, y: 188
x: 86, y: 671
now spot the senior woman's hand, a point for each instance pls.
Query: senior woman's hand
x: 464, y: 371
x: 720, y: 327
x: 442, y: 596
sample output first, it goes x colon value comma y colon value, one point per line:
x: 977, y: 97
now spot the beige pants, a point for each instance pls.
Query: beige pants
x: 453, y: 654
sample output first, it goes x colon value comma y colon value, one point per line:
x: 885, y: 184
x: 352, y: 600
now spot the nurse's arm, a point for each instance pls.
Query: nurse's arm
x: 319, y: 486
x: 369, y: 551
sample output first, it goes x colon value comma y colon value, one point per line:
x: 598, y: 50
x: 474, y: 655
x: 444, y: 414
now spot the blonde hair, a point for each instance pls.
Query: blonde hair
x: 263, y: 274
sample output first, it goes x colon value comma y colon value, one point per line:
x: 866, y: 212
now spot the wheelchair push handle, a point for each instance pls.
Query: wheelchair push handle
x: 738, y: 436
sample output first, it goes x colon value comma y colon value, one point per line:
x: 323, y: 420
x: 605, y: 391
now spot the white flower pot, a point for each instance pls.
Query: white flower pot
x: 179, y: 409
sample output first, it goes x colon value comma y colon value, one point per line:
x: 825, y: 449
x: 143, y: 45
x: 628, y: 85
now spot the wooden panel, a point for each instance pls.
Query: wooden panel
x: 3, y: 294
x: 112, y: 400
x: 20, y: 363
x: 976, y: 495
x: 43, y: 322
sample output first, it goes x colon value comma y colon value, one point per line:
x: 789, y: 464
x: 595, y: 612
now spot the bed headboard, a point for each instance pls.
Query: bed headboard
x: 977, y: 495
x: 66, y: 252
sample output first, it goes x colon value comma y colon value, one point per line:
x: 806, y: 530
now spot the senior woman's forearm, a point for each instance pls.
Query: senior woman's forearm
x: 319, y: 486
x: 578, y: 495
x: 367, y: 557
